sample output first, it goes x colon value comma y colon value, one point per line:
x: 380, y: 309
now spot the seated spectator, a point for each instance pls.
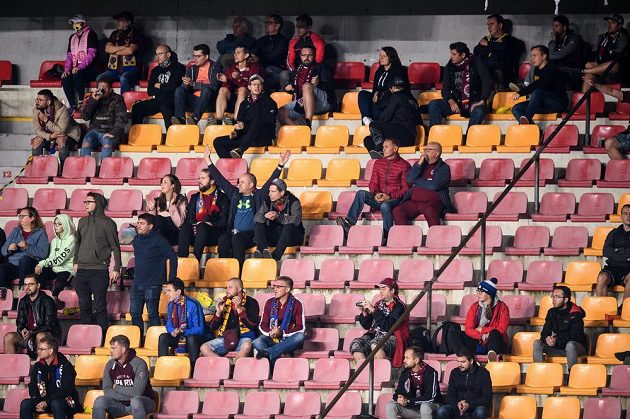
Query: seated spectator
x: 499, y: 51
x: 546, y: 91
x: 36, y: 315
x: 205, y: 221
x: 185, y: 326
x: 195, y: 92
x: 107, y: 114
x: 309, y: 84
x: 417, y: 393
x: 372, y: 103
x: 56, y: 270
x: 610, y: 45
x: 304, y: 37
x: 126, y: 384
x: 163, y: 80
x: 377, y: 319
x: 617, y: 254
x: 565, y: 49
x: 226, y: 47
x: 255, y: 123
x: 26, y: 245
x: 169, y: 208
x: 563, y: 332
x: 278, y: 222
x: 123, y: 62
x: 469, y: 392
x: 51, y: 388
x: 465, y: 89
x: 271, y: 52
x: 234, y: 324
x: 282, y: 324
x: 387, y: 187
x: 428, y: 178
x: 81, y: 61
x: 54, y: 127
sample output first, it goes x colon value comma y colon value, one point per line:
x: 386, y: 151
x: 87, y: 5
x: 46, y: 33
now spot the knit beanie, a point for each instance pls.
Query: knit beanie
x: 489, y: 286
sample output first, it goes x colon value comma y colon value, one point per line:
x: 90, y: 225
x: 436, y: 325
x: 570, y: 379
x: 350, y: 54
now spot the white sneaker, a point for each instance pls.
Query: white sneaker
x: 366, y: 120
x: 492, y: 356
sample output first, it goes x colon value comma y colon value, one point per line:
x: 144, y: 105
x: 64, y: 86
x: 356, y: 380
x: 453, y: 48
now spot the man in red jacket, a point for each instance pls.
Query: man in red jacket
x: 386, y: 189
x: 304, y: 38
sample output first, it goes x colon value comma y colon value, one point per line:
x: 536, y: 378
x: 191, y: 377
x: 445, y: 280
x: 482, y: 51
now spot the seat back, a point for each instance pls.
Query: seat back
x: 172, y: 368
x: 116, y: 167
x: 518, y: 407
x: 336, y: 270
x: 483, y: 135
x: 211, y: 369
x: 521, y: 306
x: 587, y: 376
x: 49, y: 199
x: 424, y: 98
x: 13, y: 199
x: 263, y: 168
x: 152, y: 337
x: 314, y: 305
x: 566, y: 137
x: 506, y: 272
x: 608, y: 407
x: 189, y: 168
x: 617, y: 171
x: 462, y: 170
x: 177, y: 402
x: 351, y: 74
x: 250, y: 369
x: 546, y: 171
x: 544, y: 374
x: 89, y: 367
x: 446, y: 135
x: 153, y: 168
x: 505, y: 100
x: 344, y: 305
x: 332, y: 136
x: 6, y: 72
x: 406, y: 236
x: 13, y: 400
x: 350, y: 103
x: 374, y: 270
x: 494, y: 238
x: 343, y: 169
x: 496, y: 169
x: 145, y: 134
x: 281, y: 98
x: 303, y: 404
x: 213, y: 131
x: 231, y: 169
x: 459, y: 271
x: 132, y: 96
x: 304, y: 169
x: 544, y: 272
x: 425, y: 74
x: 469, y: 202
x: 597, y: 308
x: 523, y: 71
x: 582, y: 272
x: 610, y: 343
x: 504, y: 373
x: 132, y: 332
x: 596, y: 203
x: 365, y: 235
x: 220, y: 403
x: 82, y: 336
x: 557, y: 203
x: 599, y: 237
x: 513, y: 203
x: 258, y: 270
x: 42, y: 166
x: 77, y: 198
x: 294, y: 136
x: 291, y: 369
x: 316, y: 203
x: 596, y: 106
x: 443, y: 236
x: 561, y: 408
x: 359, y: 135
x: 302, y: 269
x: 331, y: 370
x: 523, y: 344
x: 601, y: 132
x: 570, y: 237
x: 125, y: 200
x: 262, y: 403
x: 531, y: 237
x: 347, y: 406
x: 325, y: 235
x: 620, y: 378
x: 522, y: 135
x: 415, y: 271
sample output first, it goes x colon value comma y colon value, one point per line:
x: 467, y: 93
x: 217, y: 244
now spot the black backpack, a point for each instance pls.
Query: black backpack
x: 451, y: 339
x: 421, y: 338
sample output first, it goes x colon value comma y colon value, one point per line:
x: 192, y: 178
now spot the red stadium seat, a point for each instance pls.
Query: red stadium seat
x: 248, y: 373
x: 41, y: 170
x: 597, y: 106
x: 364, y: 182
x: 188, y: 170
x: 302, y: 271
x: 555, y: 206
x: 260, y: 405
x: 546, y: 174
x: 209, y: 372
x: 68, y: 298
x: 231, y: 169
x: 467, y: 301
x: 328, y: 374
x: 6, y: 72
x: 455, y: 276
x: 494, y: 240
x: 401, y: 240
x: 619, y: 382
x: 299, y: 404
x: 542, y: 275
x: 362, y: 239
x: 349, y: 75
x: 314, y: 305
x: 351, y: 334
x: 342, y: 309
x: 76, y: 207
x: 507, y: 272
x: 438, y: 310
x: 424, y: 76
x: 462, y: 170
x: 617, y: 175
x: 76, y: 171
x: 82, y: 339
x: 323, y: 239
x: 470, y: 205
x: 132, y: 96
x: 495, y: 172
x: 594, y: 207
x: 523, y: 70
x: 114, y: 171
x: 621, y: 113
x: 334, y: 273
x: 320, y: 342
x: 581, y: 173
x: 124, y: 203
x: 346, y: 407
x: 373, y: 271
x: 344, y: 201
x: 370, y: 83
x: 12, y: 401
x: 529, y: 241
x: 16, y: 368
x: 596, y: 408
x: 178, y: 404
x: 413, y: 273
x: 218, y: 404
x: 118, y: 303
x: 382, y: 375
x: 48, y: 201
x: 567, y: 241
x: 6, y: 328
x: 44, y: 80
x: 441, y: 240
x: 145, y: 83
x: 600, y: 133
x: 288, y: 373
x: 564, y: 140
x: 13, y: 199
x: 521, y: 308
x: 151, y: 170
x: 513, y: 206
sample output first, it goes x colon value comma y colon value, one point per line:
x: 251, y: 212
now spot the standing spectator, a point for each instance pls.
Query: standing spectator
x: 610, y: 45
x: 26, y: 245
x: 278, y: 222
x: 169, y: 208
x: 151, y: 251
x: 195, y: 92
x: 163, y: 81
x: 96, y: 240
x: 617, y: 254
x: 499, y: 51
x: 81, y: 61
x: 107, y: 114
x: 226, y: 47
x: 56, y: 269
x: 304, y: 37
x: 565, y: 49
x: 271, y: 51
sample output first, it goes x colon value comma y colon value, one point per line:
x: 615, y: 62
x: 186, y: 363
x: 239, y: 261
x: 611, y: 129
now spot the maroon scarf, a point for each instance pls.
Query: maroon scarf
x: 464, y: 67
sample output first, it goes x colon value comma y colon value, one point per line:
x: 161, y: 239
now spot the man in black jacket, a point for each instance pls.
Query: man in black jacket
x: 469, y: 392
x: 565, y: 48
x: 617, y: 254
x: 465, y: 88
x: 563, y: 332
x: 256, y: 123
x: 196, y: 91
x: 499, y: 51
x: 37, y: 314
x: 163, y: 81
x: 271, y: 51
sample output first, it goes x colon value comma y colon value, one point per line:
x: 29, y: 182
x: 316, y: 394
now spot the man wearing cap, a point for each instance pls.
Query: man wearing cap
x: 81, y: 60
x: 465, y: 89
x: 609, y: 46
x: 255, y: 123
x: 565, y: 48
x: 377, y: 319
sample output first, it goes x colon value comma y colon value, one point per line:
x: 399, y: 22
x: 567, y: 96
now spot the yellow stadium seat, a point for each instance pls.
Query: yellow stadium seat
x: 180, y: 139
x: 349, y: 107
x: 356, y: 146
x: 449, y: 136
x: 424, y: 98
x: 132, y: 332
x: 522, y: 347
x: 315, y: 204
x: 585, y: 380
x: 581, y: 275
x: 542, y: 378
x: 481, y: 139
x: 518, y: 407
x: 503, y: 100
x: 303, y: 172
x: 520, y: 139
x: 88, y: 402
x: 505, y: 376
x: 90, y: 369
x: 170, y: 371
x: 187, y: 270
x: 294, y: 138
x: 143, y: 138
x: 341, y: 173
x: 561, y: 408
x: 419, y: 142
x: 262, y: 169
x: 606, y: 346
x: 624, y: 321
x: 282, y: 98
x: 597, y: 244
x: 545, y: 305
x: 210, y: 134
x: 329, y: 139
x: 597, y: 308
x: 151, y: 338
x: 624, y: 199
x: 257, y: 273
x: 217, y: 272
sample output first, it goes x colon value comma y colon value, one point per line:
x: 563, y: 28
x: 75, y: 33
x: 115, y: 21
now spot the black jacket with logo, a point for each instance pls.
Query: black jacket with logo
x: 567, y: 323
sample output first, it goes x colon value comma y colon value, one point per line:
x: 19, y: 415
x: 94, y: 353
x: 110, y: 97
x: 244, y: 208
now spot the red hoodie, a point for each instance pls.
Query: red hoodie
x: 388, y: 176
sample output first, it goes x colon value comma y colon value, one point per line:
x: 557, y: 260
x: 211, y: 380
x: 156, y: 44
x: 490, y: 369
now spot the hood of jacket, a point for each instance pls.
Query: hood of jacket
x: 67, y: 224
x: 99, y: 208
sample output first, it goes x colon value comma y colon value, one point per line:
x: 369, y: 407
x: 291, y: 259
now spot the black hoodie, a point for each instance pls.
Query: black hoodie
x: 169, y: 77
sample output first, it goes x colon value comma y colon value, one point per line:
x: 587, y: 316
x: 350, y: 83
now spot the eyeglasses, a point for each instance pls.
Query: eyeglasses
x: 57, y: 224
x: 198, y: 55
x: 89, y: 202
x: 30, y: 284
x: 20, y: 216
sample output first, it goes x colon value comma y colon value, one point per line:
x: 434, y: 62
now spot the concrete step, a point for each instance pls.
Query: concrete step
x: 17, y: 142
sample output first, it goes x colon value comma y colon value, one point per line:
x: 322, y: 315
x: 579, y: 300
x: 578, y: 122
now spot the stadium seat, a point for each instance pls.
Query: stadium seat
x: 187, y: 270
x: 118, y: 302
x: 16, y: 368
x: 402, y: 240
x: 545, y: 305
x: 418, y: 314
x: 597, y: 308
x: 90, y: 369
x: 507, y: 272
x: 333, y: 273
x: 124, y: 203
x: 449, y: 136
x: 329, y: 139
x: 597, y: 244
x: 260, y: 405
x: 462, y: 171
x: 362, y: 239
x: 425, y: 97
x: 513, y: 207
x: 581, y: 173
x: 218, y: 404
x: 343, y: 204
x: 178, y: 404
x: 546, y: 173
x: 594, y: 207
x: 294, y: 138
x: 529, y: 241
x: 300, y: 405
x: 623, y: 200
x: 567, y: 241
x: 494, y: 239
x: 619, y: 382
x: 6, y: 328
x: 565, y: 139
x: 132, y: 332
x: 151, y: 339
x: 561, y: 408
x: 12, y: 401
x: 6, y: 72
x: 470, y: 205
x: 356, y: 146
x: 413, y: 273
x: 503, y: 102
x: 595, y: 408
x: 328, y: 374
x: 209, y: 135
x: 467, y: 301
x: 349, y: 107
x: 248, y: 373
x: 132, y: 97
x: 441, y: 240
x: 151, y: 170
x: 520, y: 139
x: 76, y: 171
x: 522, y: 348
x: 585, y: 380
x: 382, y: 375
x: 351, y: 334
x: 263, y: 168
x: 341, y: 173
x: 596, y: 106
x: 320, y: 342
x: 232, y: 169
x: 143, y: 138
x: 257, y: 273
x: 481, y: 139
x: 170, y: 371
x: 505, y: 376
x: 616, y: 175
x: 314, y: 307
x: 364, y: 182
x: 323, y: 239
x: 555, y: 206
x: 342, y: 309
x: 606, y: 347
x: 303, y: 172
x: 48, y: 201
x: 624, y: 320
x: 209, y: 372
x: 372, y: 73
x: 621, y: 113
x: 542, y: 378
x: 288, y: 373
x: 13, y: 199
x: 301, y: 270
x: 495, y: 172
x: 373, y: 271
x: 188, y: 170
x: 424, y: 76
x: 281, y: 98
x: 45, y: 80
x: 76, y: 207
x: 599, y: 134
x: 581, y: 275
x: 521, y: 308
x: 455, y: 276
x: 114, y: 171
x: 349, y: 74
x: 518, y: 407
x: 82, y: 339
x: 315, y: 204
x: 40, y: 170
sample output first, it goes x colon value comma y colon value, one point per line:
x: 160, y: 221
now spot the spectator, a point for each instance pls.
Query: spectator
x: 205, y: 220
x: 169, y: 208
x: 371, y: 103
x: 271, y: 51
x: 377, y: 319
x: 617, y: 254
x: 563, y: 332
x: 610, y: 45
x: 52, y: 387
x: 36, y: 315
x: 465, y: 90
x: 96, y: 240
x: 469, y: 392
x: 81, y: 61
x: 499, y: 51
x: 304, y: 37
x: 565, y: 49
x: 56, y: 269
x: 151, y: 251
x: 244, y: 201
x: 309, y: 85
x: 546, y: 92
x: 126, y: 385
x: 429, y: 178
x: 26, y: 245
x: 282, y: 324
x: 195, y: 92
x: 226, y: 47
x: 54, y: 126
x: 399, y: 120
x: 387, y: 187
x: 163, y: 81
x: 256, y: 123
x: 234, y: 324
x: 123, y: 64
x: 418, y: 391
x: 278, y: 222
x: 185, y: 326
x: 107, y: 114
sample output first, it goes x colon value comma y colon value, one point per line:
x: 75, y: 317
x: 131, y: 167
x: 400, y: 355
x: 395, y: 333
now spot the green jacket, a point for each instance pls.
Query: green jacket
x: 61, y: 254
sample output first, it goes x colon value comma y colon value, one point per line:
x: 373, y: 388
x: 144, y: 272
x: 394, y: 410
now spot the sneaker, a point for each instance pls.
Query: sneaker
x: 71, y: 310
x: 345, y: 224
x: 376, y: 154
x: 514, y: 87
x: 227, y: 120
x: 262, y: 354
x: 176, y: 121
x: 366, y: 120
x: 236, y: 153
x: 523, y: 120
x: 212, y: 120
x: 493, y: 356
x: 257, y: 254
x: 267, y: 254
x: 190, y: 120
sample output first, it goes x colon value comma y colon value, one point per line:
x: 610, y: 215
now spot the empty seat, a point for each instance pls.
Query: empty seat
x: 543, y: 308
x: 418, y: 314
x: 188, y: 170
x: 441, y: 240
x: 623, y: 200
x: 481, y: 139
x: 44, y: 79
x: 594, y: 207
x: 364, y: 182
x: 323, y: 239
x: 597, y: 244
x: 424, y: 76
x: 6, y: 72
x: 288, y: 373
x: 382, y: 375
x: 555, y: 206
x: 151, y: 339
x: 114, y: 171
x: 362, y: 239
x: 619, y: 382
x: 329, y: 139
x: 232, y: 169
x: 132, y: 97
x: 624, y: 320
x: 343, y: 204
x: 621, y: 113
x: 564, y: 140
x: 292, y: 137
x: 581, y: 275
x: 458, y: 273
x: 12, y: 401
x: 151, y: 170
x: 462, y: 171
x: 118, y: 302
x: 373, y: 271
x: 281, y: 98
x: 16, y: 368
x: 518, y: 407
x: 341, y: 173
x: 413, y: 273
x: 585, y: 380
x: 617, y: 174
x: 494, y: 239
x: 606, y: 347
x: 567, y: 241
x: 464, y: 306
x: 449, y: 136
x: 263, y: 168
x: 257, y: 273
x: 595, y: 408
x: 597, y: 308
x: 521, y: 308
x: 260, y: 404
x: 123, y: 203
x: 13, y: 199
x: 170, y: 371
x: 143, y: 138
x: 218, y: 404
x: 356, y: 145
x: 507, y: 272
x: 89, y: 369
x: 520, y: 139
x: 342, y: 309
x: 180, y: 139
x: 303, y: 172
x: 6, y: 328
x: 248, y: 373
x: 513, y: 206
x: 132, y: 332
x: 470, y: 205
x: 596, y: 107
x: 349, y: 74
x: 523, y: 346
x: 349, y: 107
x: 561, y: 408
x: 328, y: 374
x: 542, y: 378
x: 178, y: 404
x: 49, y: 201
x: 529, y: 240
x: 546, y: 173
x: 401, y: 240
x: 505, y: 376
x: 495, y: 172
x: 334, y: 273
x: 76, y: 207
x: 40, y: 170
x: 315, y: 204
x: 502, y: 103
x: 187, y: 270
x: 302, y: 271
x: 82, y: 339
x: 209, y: 372
x: 599, y: 134
x: 300, y: 404
x: 314, y: 307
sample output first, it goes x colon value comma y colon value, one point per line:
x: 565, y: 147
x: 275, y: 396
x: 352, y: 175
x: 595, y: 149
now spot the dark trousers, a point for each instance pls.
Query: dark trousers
x: 57, y: 281
x: 256, y: 136
x: 234, y: 245
x: 449, y: 412
x: 9, y: 271
x: 141, y: 295
x: 168, y: 229
x: 193, y: 343
x: 278, y: 235
x: 88, y: 283
x: 59, y: 409
x: 198, y: 236
x: 74, y: 85
x: 409, y: 210
x: 144, y: 108
x: 495, y: 342
x: 380, y: 131
x: 367, y: 107
x: 185, y: 100
x: 540, y: 101
x: 440, y: 108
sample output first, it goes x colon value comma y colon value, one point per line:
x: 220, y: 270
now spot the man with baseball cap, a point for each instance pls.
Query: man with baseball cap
x: 81, y: 60
x: 609, y: 45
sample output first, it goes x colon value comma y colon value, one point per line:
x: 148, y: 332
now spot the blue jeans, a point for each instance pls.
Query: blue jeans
x: 128, y: 79
x: 367, y: 107
x: 185, y: 99
x: 141, y: 294
x: 276, y: 350
x: 365, y: 197
x: 440, y: 108
x: 94, y: 139
x: 540, y: 101
x: 449, y: 412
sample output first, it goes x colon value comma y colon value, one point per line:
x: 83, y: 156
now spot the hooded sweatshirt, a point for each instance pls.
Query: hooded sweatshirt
x: 169, y: 77
x: 61, y: 255
x: 130, y: 377
x: 97, y: 238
